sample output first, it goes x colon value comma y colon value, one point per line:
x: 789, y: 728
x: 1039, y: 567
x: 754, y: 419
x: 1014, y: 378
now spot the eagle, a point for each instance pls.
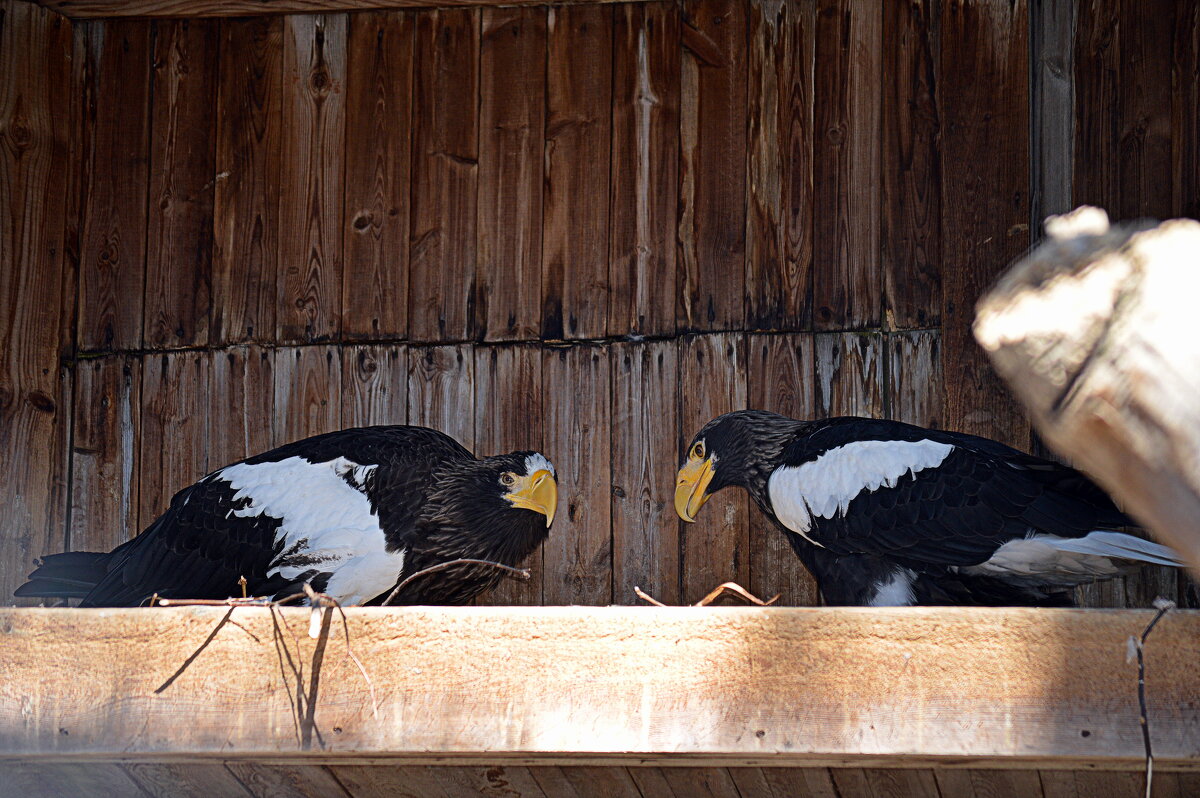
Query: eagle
x: 884, y: 513
x: 352, y: 513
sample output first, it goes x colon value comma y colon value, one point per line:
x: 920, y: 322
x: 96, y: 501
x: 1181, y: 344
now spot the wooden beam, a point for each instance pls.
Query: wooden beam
x: 860, y: 687
x: 1094, y: 331
x: 92, y: 9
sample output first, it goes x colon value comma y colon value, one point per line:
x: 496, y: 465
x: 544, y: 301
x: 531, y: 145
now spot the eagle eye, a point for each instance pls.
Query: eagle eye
x: 698, y: 451
x: 508, y: 478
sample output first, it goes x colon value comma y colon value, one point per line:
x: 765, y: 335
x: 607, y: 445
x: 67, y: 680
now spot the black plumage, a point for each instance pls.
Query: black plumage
x: 883, y: 512
x: 352, y: 512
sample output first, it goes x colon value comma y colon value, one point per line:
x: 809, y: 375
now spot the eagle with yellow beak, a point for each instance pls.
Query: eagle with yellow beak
x: 889, y: 514
x: 352, y: 513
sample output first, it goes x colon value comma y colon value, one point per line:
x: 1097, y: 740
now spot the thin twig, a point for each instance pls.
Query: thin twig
x: 646, y: 597
x: 1163, y: 606
x: 515, y: 573
x: 724, y: 587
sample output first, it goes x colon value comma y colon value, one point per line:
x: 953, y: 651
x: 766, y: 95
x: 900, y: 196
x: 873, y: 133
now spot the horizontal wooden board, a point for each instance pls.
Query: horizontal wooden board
x: 84, y: 9
x: 572, y: 685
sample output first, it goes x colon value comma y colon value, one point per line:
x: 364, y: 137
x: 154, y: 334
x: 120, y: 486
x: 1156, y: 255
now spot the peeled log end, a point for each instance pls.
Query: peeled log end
x: 1094, y: 331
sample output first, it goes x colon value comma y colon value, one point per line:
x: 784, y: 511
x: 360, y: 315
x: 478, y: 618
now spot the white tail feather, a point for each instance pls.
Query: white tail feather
x: 1121, y: 546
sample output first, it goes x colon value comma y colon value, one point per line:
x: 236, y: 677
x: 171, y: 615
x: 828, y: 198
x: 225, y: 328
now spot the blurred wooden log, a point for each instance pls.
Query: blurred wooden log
x: 1095, y: 332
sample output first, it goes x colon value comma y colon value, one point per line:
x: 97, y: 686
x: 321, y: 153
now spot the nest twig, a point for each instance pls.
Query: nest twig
x: 725, y: 587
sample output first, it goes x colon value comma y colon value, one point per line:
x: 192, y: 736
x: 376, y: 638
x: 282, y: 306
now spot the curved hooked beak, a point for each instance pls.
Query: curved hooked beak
x: 537, y: 492
x: 690, y: 486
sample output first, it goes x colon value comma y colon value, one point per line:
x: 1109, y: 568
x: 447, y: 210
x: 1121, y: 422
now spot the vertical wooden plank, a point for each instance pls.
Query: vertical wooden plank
x: 35, y: 59
x: 578, y: 554
x: 246, y: 203
x: 809, y: 782
x: 376, y: 781
x: 378, y: 121
x: 173, y: 450
x: 1185, y: 99
x: 1097, y: 94
x: 445, y: 166
x: 1052, y: 31
x: 780, y: 379
x: 914, y: 389
x: 984, y: 101
x: 580, y: 781
x: 113, y: 247
x: 645, y: 454
x: 644, y: 191
x: 497, y: 780
x: 849, y: 374
x: 241, y: 404
x: 374, y: 385
x: 310, y: 206
x: 306, y: 385
x: 182, y: 179
x: 512, y: 108
x: 509, y: 417
x: 712, y: 229
x: 67, y: 778
x: 990, y: 783
x: 846, y: 157
x: 910, y: 231
x: 105, y: 452
x: 713, y: 381
x: 779, y: 178
x: 441, y: 390
x: 577, y: 151
x: 901, y: 783
x: 1147, y: 177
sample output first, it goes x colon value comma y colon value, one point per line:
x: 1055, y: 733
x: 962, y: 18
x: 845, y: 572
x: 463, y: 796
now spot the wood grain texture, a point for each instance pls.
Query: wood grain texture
x: 179, y: 238
x: 1052, y: 27
x: 173, y: 436
x: 375, y: 781
x: 312, y: 139
x: 814, y: 681
x: 991, y: 783
x: 441, y: 390
x: 712, y: 166
x: 716, y: 547
x: 115, y: 156
x: 578, y: 554
x: 378, y: 123
x: 241, y: 404
x: 30, y: 780
x: 779, y: 187
x: 579, y: 66
x: 1147, y: 178
x: 1185, y: 99
x: 1097, y: 169
x: 645, y: 454
x: 306, y: 404
x: 779, y: 376
x: 374, y: 385
x: 510, y: 411
x: 160, y: 780
x: 585, y: 782
x: 445, y: 173
x: 286, y: 781
x: 644, y: 191
x: 849, y: 374
x: 985, y: 123
x: 85, y: 9
x: 246, y: 201
x: 911, y: 202
x: 35, y: 59
x: 915, y: 378
x: 512, y: 121
x: 105, y: 453
x: 847, y: 279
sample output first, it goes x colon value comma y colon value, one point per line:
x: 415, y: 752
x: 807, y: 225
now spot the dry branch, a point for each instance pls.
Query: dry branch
x: 1095, y: 332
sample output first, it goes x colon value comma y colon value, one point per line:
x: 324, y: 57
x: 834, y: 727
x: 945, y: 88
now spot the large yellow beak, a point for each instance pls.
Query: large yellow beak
x: 690, y: 487
x: 537, y: 492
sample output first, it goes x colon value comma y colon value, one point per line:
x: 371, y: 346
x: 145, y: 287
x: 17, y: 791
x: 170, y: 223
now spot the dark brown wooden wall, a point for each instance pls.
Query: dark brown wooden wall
x: 586, y: 229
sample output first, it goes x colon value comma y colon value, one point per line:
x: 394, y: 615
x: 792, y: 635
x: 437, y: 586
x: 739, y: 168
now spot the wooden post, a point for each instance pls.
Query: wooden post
x: 1094, y: 331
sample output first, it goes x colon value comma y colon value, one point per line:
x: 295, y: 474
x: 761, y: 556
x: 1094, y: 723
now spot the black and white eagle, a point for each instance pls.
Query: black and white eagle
x: 884, y: 513
x: 353, y: 513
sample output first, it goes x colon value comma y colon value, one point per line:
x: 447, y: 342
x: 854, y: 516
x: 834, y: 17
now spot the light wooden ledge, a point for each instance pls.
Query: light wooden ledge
x: 606, y: 686
x: 91, y: 9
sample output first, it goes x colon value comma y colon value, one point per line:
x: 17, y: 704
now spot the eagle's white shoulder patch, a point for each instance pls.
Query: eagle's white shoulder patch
x: 824, y: 487
x: 326, y: 523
